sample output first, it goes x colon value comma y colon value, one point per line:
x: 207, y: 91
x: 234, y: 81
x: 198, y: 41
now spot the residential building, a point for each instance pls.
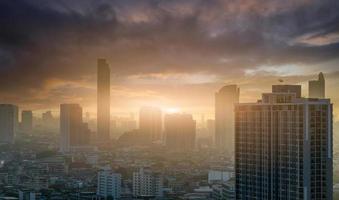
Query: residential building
x: 284, y: 148
x: 147, y: 184
x: 109, y: 184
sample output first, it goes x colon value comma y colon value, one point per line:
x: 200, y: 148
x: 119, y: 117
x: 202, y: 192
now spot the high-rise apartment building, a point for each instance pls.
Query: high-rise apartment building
x: 147, y: 184
x: 150, y: 123
x: 109, y: 184
x: 296, y: 89
x: 27, y: 120
x: 8, y: 123
x: 71, y: 126
x: 316, y: 88
x: 103, y: 101
x: 225, y: 99
x: 284, y: 148
x: 180, y: 132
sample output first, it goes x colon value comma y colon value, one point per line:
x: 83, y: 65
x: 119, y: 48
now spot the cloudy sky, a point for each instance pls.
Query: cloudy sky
x: 169, y: 53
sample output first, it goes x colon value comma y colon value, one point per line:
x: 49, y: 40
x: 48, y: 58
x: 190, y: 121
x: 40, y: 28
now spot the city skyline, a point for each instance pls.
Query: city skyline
x: 169, y: 99
x: 174, y: 108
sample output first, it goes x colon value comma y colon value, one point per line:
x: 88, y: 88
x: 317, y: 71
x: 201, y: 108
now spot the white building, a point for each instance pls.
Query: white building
x: 109, y: 184
x: 8, y: 122
x: 219, y: 176
x: 146, y: 183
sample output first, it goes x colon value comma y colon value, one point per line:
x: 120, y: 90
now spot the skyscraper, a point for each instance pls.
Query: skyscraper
x: 109, y: 184
x: 150, y: 123
x: 224, y: 117
x: 71, y: 126
x: 284, y: 148
x: 8, y: 123
x: 103, y: 101
x: 180, y: 132
x: 27, y: 120
x: 316, y: 88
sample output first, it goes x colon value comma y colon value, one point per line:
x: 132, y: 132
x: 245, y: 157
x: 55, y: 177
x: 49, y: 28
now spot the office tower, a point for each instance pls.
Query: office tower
x: 8, y: 123
x: 284, y: 148
x: 27, y: 120
x: 180, y: 132
x: 103, y: 101
x: 150, y: 123
x: 147, y: 184
x: 109, y: 184
x: 296, y: 89
x: 316, y: 88
x: 71, y: 126
x: 224, y: 117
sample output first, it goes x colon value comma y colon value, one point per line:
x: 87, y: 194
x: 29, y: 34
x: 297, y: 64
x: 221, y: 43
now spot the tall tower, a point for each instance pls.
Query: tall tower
x: 316, y: 88
x: 150, y: 123
x: 103, y: 101
x: 284, y: 148
x: 71, y: 126
x: 8, y: 123
x: 180, y: 131
x: 224, y: 117
x: 27, y: 120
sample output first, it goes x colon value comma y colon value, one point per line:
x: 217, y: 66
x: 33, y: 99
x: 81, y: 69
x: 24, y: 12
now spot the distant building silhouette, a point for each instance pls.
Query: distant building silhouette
x: 180, y: 132
x: 284, y: 148
x: 150, y: 123
x: 47, y: 117
x: 210, y: 126
x: 27, y: 120
x: 103, y: 101
x: 132, y: 138
x: 8, y: 123
x: 316, y: 88
x: 225, y: 99
x: 49, y: 122
x: 71, y: 126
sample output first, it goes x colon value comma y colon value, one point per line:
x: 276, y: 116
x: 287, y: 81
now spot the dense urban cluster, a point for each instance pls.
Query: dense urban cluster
x: 279, y: 147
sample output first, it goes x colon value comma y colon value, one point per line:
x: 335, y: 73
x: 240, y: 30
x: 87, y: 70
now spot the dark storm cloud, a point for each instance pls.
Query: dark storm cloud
x: 42, y: 40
